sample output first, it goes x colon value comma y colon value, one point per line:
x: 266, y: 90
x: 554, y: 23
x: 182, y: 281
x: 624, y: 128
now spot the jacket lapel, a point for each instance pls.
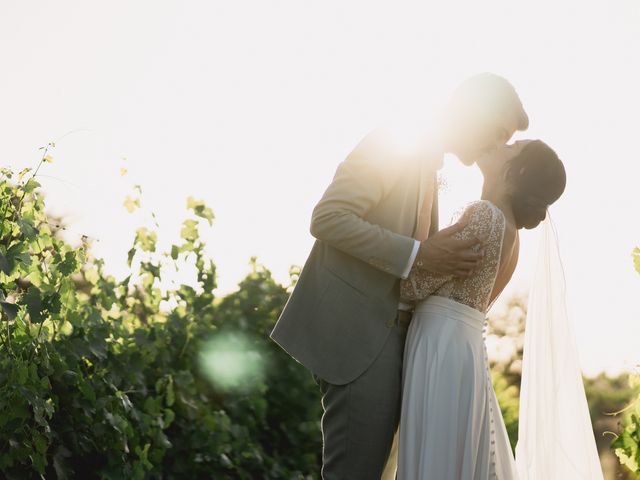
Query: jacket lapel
x: 428, y: 166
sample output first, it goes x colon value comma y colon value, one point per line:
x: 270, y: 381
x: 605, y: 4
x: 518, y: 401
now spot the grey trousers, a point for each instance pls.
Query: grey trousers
x: 361, y: 417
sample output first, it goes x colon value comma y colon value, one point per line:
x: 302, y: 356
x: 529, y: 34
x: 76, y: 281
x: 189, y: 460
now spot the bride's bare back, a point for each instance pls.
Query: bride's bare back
x: 508, y: 260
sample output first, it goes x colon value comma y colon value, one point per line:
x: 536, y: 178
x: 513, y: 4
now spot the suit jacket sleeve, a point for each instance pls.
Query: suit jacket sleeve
x: 340, y: 217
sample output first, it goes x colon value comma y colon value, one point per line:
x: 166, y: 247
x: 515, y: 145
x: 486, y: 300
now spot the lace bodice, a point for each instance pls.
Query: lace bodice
x: 487, y: 223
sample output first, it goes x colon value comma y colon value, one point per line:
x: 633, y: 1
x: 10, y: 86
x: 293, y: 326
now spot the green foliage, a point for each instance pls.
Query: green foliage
x: 507, y: 327
x: 509, y: 400
x: 113, y: 378
x: 604, y: 394
x: 627, y: 444
x: 200, y: 209
x: 100, y: 378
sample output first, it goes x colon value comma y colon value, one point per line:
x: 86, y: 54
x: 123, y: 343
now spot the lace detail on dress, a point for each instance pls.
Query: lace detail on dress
x: 486, y: 222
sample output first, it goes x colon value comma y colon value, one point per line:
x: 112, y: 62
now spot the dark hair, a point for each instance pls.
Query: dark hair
x: 538, y: 179
x: 490, y: 96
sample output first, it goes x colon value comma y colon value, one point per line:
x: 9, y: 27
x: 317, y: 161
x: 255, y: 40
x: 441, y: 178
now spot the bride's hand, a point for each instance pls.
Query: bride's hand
x: 445, y: 255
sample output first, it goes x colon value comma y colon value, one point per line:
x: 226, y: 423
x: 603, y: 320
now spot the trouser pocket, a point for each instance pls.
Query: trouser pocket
x: 320, y: 382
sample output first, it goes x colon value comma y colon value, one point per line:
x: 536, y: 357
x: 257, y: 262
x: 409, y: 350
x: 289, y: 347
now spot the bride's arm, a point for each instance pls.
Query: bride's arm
x: 420, y: 284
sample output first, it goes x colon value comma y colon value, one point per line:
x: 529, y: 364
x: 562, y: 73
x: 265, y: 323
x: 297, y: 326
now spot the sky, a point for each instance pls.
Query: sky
x: 251, y: 105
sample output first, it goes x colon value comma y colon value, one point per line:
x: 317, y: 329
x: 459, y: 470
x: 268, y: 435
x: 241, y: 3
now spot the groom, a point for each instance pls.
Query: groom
x: 376, y: 221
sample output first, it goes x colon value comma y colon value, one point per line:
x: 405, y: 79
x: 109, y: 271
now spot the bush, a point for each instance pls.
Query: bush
x: 626, y: 446
x: 106, y: 378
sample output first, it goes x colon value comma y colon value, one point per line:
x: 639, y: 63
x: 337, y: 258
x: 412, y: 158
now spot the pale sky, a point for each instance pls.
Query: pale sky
x: 250, y: 105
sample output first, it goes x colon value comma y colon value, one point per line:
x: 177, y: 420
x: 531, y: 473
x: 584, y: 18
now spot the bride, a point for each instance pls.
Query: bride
x: 451, y: 427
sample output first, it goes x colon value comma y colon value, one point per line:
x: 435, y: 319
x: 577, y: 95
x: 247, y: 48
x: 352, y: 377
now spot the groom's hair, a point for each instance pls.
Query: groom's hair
x: 489, y: 97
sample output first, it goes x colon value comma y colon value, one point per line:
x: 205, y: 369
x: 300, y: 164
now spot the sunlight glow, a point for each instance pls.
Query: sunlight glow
x: 251, y: 106
x: 406, y: 136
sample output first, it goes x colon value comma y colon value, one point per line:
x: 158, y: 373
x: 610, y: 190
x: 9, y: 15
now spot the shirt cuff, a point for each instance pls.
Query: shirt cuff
x: 412, y: 258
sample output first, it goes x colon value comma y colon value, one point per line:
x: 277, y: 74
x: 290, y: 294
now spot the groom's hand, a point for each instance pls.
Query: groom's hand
x: 442, y: 253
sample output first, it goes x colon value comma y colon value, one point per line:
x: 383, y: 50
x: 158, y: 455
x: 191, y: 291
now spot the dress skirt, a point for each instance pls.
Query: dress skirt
x: 451, y: 427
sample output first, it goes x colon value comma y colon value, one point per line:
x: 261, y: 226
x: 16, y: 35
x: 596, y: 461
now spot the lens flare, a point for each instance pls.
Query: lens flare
x: 231, y: 362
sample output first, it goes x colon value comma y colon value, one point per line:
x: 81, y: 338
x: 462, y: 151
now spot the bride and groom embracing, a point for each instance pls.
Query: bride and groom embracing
x: 388, y: 312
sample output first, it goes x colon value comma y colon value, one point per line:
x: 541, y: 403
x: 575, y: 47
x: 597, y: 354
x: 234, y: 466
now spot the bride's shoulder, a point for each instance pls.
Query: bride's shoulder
x: 476, y: 210
x: 479, y: 205
x: 481, y: 218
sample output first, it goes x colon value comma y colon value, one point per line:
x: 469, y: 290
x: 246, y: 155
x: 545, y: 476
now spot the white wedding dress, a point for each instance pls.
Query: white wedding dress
x: 451, y: 427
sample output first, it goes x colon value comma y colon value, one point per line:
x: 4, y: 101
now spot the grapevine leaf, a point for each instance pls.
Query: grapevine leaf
x: 131, y: 203
x: 22, y: 374
x: 170, y: 394
x: 189, y: 230
x: 146, y: 239
x: 27, y: 228
x: 10, y: 309
x: 169, y: 416
x: 69, y: 264
x: 33, y: 300
x: 31, y: 185
x: 200, y: 209
x: 4, y: 264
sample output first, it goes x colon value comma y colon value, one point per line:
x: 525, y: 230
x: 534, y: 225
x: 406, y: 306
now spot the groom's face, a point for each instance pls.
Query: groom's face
x: 482, y: 138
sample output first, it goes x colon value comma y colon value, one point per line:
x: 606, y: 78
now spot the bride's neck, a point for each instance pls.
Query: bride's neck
x: 499, y: 198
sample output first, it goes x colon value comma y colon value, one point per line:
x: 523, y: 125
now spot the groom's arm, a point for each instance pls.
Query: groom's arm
x: 359, y: 184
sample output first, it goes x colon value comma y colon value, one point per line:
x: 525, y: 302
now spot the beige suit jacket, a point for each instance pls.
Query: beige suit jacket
x: 339, y: 314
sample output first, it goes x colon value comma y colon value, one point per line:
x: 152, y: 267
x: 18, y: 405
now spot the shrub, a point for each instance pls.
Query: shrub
x: 104, y: 378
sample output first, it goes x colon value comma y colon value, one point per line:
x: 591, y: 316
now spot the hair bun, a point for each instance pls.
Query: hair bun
x: 540, y: 175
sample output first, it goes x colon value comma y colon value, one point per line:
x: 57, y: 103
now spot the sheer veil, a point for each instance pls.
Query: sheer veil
x: 555, y: 437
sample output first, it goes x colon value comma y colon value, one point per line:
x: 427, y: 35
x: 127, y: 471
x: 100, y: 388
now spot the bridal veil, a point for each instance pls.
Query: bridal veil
x: 555, y: 437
